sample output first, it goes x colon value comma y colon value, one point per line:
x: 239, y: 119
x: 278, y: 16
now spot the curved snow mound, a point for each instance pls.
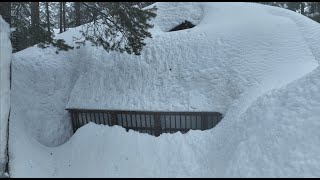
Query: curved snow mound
x: 234, y: 47
x: 280, y: 133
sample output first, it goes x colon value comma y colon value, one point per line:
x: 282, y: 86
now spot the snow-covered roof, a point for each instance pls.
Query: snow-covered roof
x: 200, y: 69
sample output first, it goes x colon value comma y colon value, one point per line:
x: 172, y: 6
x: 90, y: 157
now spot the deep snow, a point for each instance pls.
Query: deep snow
x: 5, y: 59
x: 241, y: 59
x: 280, y: 133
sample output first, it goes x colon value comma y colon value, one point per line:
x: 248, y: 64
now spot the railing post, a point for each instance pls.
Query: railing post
x: 77, y: 119
x: 114, y: 119
x: 157, y: 125
x: 73, y: 121
x: 204, y: 122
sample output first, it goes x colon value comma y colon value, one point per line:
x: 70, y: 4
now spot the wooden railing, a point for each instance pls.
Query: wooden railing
x: 151, y: 122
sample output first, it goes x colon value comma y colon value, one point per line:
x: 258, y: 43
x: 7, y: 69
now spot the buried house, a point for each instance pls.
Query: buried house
x: 151, y: 122
x: 147, y: 119
x: 229, y: 60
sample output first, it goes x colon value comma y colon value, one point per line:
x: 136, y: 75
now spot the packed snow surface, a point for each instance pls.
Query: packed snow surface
x: 248, y: 61
x: 5, y: 59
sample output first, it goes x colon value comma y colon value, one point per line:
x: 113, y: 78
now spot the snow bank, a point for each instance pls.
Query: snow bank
x: 41, y: 84
x: 200, y: 69
x: 280, y: 133
x: 309, y: 32
x: 5, y: 59
x: 239, y: 59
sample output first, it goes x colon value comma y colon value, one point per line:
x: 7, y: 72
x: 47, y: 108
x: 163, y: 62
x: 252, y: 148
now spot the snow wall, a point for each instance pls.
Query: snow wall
x: 5, y: 59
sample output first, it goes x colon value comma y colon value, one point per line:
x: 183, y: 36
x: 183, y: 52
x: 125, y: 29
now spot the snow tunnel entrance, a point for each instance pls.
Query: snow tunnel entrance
x: 182, y: 26
x: 153, y: 123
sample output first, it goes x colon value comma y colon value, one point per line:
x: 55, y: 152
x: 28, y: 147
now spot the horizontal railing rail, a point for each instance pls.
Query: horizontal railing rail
x: 151, y: 122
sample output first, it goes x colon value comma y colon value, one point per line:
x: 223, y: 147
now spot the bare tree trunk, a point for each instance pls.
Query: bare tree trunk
x: 35, y: 22
x: 64, y: 16
x: 302, y: 8
x: 48, y: 21
x: 60, y: 12
x: 318, y: 10
x: 312, y: 8
x: 5, y: 11
x: 77, y: 13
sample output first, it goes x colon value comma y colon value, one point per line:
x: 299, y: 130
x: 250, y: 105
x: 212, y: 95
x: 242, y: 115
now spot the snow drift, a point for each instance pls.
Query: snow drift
x: 280, y: 133
x: 233, y: 61
x: 5, y: 59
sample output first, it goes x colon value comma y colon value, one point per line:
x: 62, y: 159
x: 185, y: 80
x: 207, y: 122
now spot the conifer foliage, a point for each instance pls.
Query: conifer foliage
x: 118, y: 27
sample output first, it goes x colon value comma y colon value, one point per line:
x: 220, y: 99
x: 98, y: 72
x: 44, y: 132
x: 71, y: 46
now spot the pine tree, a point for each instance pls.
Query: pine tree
x: 309, y: 9
x: 5, y: 11
x: 293, y: 6
x: 314, y: 11
x: 118, y: 27
x: 124, y: 26
x: 21, y: 37
x: 64, y: 16
x: 77, y: 13
x: 55, y: 14
x: 35, y: 22
x: 41, y: 28
x: 61, y: 17
x: 48, y: 21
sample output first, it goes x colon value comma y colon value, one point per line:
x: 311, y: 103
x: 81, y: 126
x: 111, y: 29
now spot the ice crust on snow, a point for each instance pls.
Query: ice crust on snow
x: 254, y: 63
